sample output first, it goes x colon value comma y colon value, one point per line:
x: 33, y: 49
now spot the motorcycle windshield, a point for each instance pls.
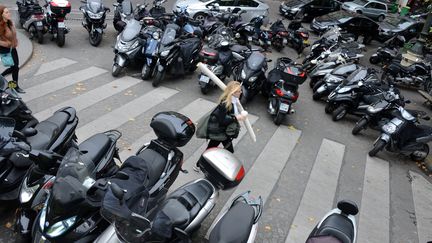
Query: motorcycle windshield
x: 151, y: 46
x: 133, y: 28
x: 168, y: 36
x: 7, y: 126
x: 344, y: 69
x: 126, y: 7
x: 255, y: 61
x: 357, y: 75
x: 95, y: 6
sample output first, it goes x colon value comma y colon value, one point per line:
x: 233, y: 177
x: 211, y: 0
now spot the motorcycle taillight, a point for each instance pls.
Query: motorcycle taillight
x: 283, y: 33
x: 279, y: 92
x: 295, y: 97
x: 304, y: 35
x: 39, y: 16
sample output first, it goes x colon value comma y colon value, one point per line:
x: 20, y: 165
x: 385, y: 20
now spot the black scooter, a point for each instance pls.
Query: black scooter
x: 14, y: 107
x: 386, y: 54
x: 94, y: 19
x: 82, y: 221
x: 251, y: 74
x: 403, y: 135
x: 32, y: 18
x: 282, y: 88
x: 56, y: 134
x: 99, y: 148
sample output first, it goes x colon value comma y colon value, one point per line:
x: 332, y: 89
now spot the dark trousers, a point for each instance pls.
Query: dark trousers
x: 15, y: 68
x: 227, y: 144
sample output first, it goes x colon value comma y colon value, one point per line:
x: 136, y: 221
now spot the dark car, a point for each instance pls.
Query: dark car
x: 357, y: 24
x: 396, y: 25
x: 307, y: 9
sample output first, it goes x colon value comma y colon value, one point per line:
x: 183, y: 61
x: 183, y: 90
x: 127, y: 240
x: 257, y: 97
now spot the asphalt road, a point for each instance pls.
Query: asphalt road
x: 284, y: 199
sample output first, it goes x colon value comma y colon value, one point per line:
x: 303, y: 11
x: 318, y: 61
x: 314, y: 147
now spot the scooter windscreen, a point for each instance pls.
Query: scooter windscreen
x: 357, y: 75
x: 255, y: 61
x: 7, y: 126
x: 95, y: 6
x: 131, y: 31
x: 170, y: 34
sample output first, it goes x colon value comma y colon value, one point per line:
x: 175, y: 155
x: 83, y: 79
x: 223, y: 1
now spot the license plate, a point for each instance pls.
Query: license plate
x: 61, y: 25
x: 283, y: 107
x: 204, y: 79
x: 284, y: 41
x: 38, y: 23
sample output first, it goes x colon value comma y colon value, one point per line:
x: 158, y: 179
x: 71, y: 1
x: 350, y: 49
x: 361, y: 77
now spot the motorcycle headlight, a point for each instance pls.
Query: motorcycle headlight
x: 243, y: 74
x: 60, y: 227
x: 27, y: 193
x: 165, y: 53
x: 252, y: 79
x: 389, y: 128
x: 155, y: 35
x: 95, y: 15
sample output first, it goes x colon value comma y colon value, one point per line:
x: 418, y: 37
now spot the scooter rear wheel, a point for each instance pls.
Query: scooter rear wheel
x: 278, y: 118
x: 420, y: 158
x: 339, y: 113
x: 359, y: 126
x: 158, y: 78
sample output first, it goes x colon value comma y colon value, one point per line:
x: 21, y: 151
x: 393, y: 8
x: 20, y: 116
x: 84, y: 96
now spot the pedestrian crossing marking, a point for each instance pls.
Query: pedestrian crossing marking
x: 54, y: 65
x: 121, y: 115
x: 92, y: 97
x: 422, y: 196
x: 320, y: 190
x: 45, y: 88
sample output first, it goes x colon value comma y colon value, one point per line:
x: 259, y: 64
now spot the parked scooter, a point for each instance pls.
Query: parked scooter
x: 187, y: 24
x: 403, y: 135
x: 177, y: 56
x: 298, y: 37
x: 331, y: 80
x: 32, y: 18
x: 94, y: 19
x: 280, y: 35
x: 57, y: 134
x: 338, y: 225
x: 354, y: 95
x: 182, y: 212
x: 151, y: 172
x: 56, y: 11
x: 128, y: 47
x: 100, y: 149
x: 14, y: 107
x: 251, y: 74
x: 157, y: 10
x: 385, y: 55
x: 282, y: 88
x: 152, y: 35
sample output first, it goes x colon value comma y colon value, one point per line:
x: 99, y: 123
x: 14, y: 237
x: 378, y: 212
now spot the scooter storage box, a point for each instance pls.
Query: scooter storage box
x: 222, y: 168
x: 60, y: 7
x: 208, y: 55
x: 173, y: 128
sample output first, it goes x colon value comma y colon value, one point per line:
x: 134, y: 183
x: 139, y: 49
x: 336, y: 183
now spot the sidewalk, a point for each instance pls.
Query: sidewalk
x: 25, y: 49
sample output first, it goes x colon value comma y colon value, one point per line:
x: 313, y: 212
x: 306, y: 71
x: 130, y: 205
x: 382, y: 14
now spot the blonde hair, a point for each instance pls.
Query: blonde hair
x: 226, y: 96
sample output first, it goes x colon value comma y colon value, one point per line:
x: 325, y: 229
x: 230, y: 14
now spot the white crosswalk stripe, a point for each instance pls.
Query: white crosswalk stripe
x: 374, y: 222
x: 422, y: 195
x: 320, y: 190
x: 264, y: 173
x: 61, y: 82
x: 92, y: 97
x: 54, y: 65
x: 128, y: 111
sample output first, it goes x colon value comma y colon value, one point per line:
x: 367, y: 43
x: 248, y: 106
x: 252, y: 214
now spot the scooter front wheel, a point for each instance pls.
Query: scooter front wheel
x: 95, y: 38
x: 61, y: 38
x: 116, y: 69
x: 359, y: 126
x: 278, y: 118
x: 339, y: 113
x: 329, y: 108
x: 158, y: 78
x: 379, y: 145
x: 374, y: 60
x: 421, y: 154
x: 146, y: 72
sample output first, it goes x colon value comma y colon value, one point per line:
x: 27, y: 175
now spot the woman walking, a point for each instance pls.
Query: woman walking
x: 225, y: 115
x: 9, y: 43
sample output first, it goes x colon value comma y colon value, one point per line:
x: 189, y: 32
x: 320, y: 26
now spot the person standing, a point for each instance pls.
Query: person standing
x: 224, y: 115
x: 9, y: 43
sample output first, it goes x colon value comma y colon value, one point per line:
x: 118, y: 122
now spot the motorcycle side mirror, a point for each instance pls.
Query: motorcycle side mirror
x: 121, y: 175
x: 348, y: 207
x: 117, y: 191
x: 29, y: 131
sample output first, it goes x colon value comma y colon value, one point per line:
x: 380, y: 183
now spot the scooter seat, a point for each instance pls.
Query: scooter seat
x: 183, y: 205
x: 370, y: 99
x: 95, y: 147
x: 235, y: 225
x: 338, y: 226
x: 155, y: 163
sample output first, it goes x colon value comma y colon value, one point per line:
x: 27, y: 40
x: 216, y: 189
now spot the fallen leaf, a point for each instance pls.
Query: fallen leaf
x: 311, y: 219
x: 115, y: 86
x: 292, y: 127
x: 278, y: 199
x: 293, y: 226
x: 130, y: 149
x: 8, y: 225
x: 267, y: 228
x: 131, y: 119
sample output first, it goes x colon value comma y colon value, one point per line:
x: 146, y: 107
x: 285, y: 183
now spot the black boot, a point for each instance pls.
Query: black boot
x: 19, y: 90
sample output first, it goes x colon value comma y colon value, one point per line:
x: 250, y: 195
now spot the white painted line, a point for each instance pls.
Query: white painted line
x: 92, y: 97
x: 194, y: 111
x: 319, y: 194
x: 191, y: 161
x: 422, y: 195
x: 54, y: 65
x: 128, y: 111
x: 264, y: 174
x: 374, y: 219
x: 61, y: 82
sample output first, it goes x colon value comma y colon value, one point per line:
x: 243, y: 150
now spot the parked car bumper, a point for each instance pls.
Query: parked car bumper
x: 287, y: 12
